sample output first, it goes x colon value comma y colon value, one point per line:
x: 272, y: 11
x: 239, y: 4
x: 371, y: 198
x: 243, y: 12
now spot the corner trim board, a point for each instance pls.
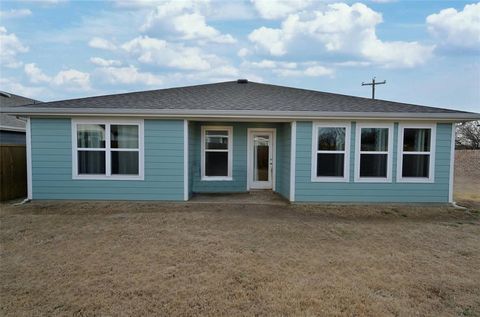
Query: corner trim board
x: 452, y: 165
x: 185, y: 160
x: 293, y: 151
x: 28, y: 136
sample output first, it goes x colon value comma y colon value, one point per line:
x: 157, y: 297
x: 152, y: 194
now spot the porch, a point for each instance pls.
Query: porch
x: 237, y: 157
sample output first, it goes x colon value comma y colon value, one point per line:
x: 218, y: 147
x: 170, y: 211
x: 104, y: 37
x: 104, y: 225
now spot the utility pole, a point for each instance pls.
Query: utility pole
x: 373, y: 83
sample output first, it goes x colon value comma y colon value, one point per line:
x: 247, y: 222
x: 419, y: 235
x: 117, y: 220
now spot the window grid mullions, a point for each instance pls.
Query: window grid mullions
x: 331, y: 152
x: 374, y: 152
x: 417, y: 153
x: 107, y: 149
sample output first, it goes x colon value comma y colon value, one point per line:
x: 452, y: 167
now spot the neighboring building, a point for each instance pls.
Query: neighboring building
x: 306, y: 145
x: 12, y: 130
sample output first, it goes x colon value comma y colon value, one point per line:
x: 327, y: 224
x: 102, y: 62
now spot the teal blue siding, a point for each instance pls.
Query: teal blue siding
x: 239, y: 167
x: 52, y: 165
x: 283, y: 155
x: 308, y: 191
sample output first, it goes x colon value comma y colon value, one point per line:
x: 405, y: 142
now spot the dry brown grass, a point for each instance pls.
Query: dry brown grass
x: 123, y: 259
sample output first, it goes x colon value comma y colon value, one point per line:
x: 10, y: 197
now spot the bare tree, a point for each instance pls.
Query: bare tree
x: 468, y: 135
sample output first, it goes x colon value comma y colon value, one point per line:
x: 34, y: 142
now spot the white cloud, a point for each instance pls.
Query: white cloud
x: 101, y: 43
x: 193, y: 26
x: 71, y: 79
x: 272, y: 40
x: 35, y: 74
x: 159, y: 52
x: 316, y: 71
x: 353, y: 64
x: 10, y: 85
x: 457, y: 28
x: 269, y: 64
x: 129, y: 75
x: 290, y: 69
x: 186, y: 18
x: 243, y: 52
x: 269, y: 9
x: 313, y: 71
x: 345, y: 29
x: 10, y: 47
x: 15, y: 13
x: 104, y: 62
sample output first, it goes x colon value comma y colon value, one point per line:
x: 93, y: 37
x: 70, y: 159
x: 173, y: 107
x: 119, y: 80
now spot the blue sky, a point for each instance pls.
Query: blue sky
x: 428, y: 51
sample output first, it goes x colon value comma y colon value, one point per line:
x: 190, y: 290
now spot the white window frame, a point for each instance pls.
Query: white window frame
x: 229, y: 129
x: 400, y: 153
x: 346, y: 151
x: 108, y: 150
x: 359, y: 152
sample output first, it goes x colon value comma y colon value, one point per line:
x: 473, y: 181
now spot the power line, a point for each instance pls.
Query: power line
x: 373, y: 84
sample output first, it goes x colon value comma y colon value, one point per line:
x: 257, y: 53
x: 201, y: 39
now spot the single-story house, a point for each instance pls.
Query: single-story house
x: 12, y: 130
x: 308, y: 146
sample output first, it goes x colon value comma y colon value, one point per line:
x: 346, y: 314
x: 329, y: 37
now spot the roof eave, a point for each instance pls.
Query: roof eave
x: 12, y: 129
x: 260, y: 114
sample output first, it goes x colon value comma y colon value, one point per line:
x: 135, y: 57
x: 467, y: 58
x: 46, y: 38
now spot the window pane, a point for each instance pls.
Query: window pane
x: 416, y: 140
x: 124, y: 163
x: 91, y: 162
x: 124, y: 136
x: 261, y: 157
x: 330, y: 164
x: 416, y: 165
x: 374, y: 139
x: 373, y: 165
x: 216, y: 140
x: 216, y: 163
x: 91, y: 135
x: 331, y: 139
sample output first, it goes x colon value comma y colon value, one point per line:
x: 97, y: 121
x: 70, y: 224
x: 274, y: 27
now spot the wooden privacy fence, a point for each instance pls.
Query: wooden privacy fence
x: 13, y: 171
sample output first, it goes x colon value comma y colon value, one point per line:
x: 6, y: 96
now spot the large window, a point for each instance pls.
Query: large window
x: 107, y: 149
x: 216, y: 153
x: 330, y: 152
x: 416, y: 153
x: 373, y: 159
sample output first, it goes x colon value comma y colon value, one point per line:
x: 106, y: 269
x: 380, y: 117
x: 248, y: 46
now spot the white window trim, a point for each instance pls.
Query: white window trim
x: 346, y: 152
x: 358, y: 152
x: 433, y: 136
x: 229, y: 129
x: 107, y: 149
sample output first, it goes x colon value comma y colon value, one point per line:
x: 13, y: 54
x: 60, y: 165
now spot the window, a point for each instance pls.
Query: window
x: 107, y: 149
x: 416, y: 153
x: 330, y: 152
x: 373, y: 155
x: 216, y: 153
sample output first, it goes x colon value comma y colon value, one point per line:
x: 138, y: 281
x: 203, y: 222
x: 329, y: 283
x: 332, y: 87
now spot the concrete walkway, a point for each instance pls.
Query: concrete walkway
x: 260, y: 197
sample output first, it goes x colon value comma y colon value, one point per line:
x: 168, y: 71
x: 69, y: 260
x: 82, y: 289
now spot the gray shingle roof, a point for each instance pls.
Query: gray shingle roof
x: 12, y: 100
x: 232, y: 96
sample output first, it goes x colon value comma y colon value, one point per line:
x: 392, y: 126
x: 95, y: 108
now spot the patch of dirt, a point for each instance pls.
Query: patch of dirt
x: 142, y: 258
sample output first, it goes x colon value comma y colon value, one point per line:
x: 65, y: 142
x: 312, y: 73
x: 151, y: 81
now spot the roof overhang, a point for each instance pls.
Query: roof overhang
x: 237, y: 114
x: 12, y: 129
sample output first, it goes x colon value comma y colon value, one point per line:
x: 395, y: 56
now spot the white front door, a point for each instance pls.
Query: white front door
x: 261, y: 158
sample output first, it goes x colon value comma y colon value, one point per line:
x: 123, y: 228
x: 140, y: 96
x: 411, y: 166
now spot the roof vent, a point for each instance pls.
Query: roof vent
x: 242, y: 81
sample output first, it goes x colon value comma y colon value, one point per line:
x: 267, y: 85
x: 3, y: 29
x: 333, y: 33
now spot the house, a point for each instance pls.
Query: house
x: 308, y: 146
x: 12, y: 130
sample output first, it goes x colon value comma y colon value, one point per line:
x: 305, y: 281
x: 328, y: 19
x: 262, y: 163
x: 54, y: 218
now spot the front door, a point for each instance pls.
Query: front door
x: 261, y: 158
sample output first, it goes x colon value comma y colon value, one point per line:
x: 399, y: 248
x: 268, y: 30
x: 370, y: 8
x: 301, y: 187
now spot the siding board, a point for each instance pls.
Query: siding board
x: 52, y: 165
x: 308, y: 191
